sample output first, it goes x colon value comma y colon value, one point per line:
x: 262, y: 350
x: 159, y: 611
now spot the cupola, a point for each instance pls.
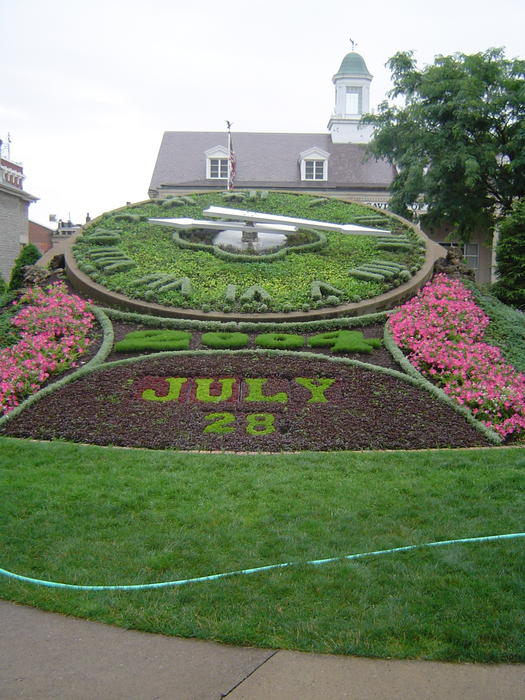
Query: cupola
x: 352, y: 100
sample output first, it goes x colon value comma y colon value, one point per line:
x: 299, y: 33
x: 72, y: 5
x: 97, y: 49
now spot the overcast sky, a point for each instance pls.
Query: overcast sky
x: 87, y: 87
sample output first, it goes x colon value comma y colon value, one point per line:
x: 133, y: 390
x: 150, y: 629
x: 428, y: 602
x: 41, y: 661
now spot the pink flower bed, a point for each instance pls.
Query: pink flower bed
x: 441, y: 330
x: 53, y: 327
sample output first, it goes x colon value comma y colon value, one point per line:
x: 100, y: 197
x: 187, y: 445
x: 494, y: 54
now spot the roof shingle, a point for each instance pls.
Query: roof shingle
x: 266, y: 160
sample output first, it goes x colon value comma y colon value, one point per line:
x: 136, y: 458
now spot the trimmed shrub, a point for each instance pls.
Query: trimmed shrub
x: 319, y: 289
x: 173, y: 202
x: 255, y: 293
x: 231, y: 293
x: 147, y: 278
x: 344, y: 341
x: 28, y: 256
x: 387, y: 272
x: 506, y: 329
x: 234, y: 196
x: 368, y: 276
x: 389, y: 263
x: 119, y: 266
x: 183, y: 285
x: 103, y: 238
x: 130, y: 218
x: 224, y: 340
x: 137, y: 341
x: 279, y: 341
x: 510, y: 257
x: 394, y: 245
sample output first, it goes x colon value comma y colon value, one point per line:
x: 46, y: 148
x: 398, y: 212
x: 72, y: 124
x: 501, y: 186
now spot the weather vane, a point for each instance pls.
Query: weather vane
x: 354, y: 44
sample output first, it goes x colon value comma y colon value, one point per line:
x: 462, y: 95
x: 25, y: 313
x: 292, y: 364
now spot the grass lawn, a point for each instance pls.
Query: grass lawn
x: 91, y: 515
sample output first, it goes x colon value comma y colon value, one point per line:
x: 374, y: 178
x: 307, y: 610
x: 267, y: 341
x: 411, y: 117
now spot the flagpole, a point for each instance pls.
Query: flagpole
x: 228, y: 124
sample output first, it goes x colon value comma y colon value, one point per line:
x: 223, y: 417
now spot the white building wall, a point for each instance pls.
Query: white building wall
x: 13, y: 230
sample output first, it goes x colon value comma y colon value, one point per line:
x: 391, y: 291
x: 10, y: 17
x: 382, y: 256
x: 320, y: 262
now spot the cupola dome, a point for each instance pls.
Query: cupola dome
x: 353, y: 65
x: 352, y: 100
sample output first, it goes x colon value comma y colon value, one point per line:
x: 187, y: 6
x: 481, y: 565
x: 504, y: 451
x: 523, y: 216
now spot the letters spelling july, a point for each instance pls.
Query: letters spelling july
x: 233, y: 388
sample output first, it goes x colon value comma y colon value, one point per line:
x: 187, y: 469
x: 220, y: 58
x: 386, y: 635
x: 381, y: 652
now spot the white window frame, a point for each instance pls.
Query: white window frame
x: 319, y: 158
x: 358, y: 92
x: 217, y: 153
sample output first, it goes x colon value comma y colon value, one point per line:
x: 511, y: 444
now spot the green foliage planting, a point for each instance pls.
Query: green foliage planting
x: 287, y: 277
x: 255, y: 293
x: 158, y: 282
x: 104, y: 237
x: 383, y: 269
x: 107, y: 258
x: 128, y: 217
x: 361, y: 274
x: 395, y: 243
x: 28, y: 256
x: 320, y: 289
x: 162, y: 339
x: 506, y: 329
x: 172, y: 202
x: 457, y: 141
x: 344, y: 341
x: 248, y: 326
x: 8, y: 333
x: 138, y: 341
x: 235, y: 196
x: 510, y: 257
x: 230, y: 293
x: 279, y: 341
x: 214, y: 339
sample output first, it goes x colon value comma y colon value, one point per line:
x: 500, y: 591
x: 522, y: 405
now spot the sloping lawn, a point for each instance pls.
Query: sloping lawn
x: 90, y: 515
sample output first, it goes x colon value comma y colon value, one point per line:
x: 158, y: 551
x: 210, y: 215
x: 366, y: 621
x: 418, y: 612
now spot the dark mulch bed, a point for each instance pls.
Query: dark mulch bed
x: 364, y: 409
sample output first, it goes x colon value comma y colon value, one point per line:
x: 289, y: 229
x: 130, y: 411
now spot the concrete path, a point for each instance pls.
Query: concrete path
x: 44, y: 656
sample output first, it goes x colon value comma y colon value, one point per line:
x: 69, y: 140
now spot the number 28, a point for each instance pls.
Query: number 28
x: 256, y: 423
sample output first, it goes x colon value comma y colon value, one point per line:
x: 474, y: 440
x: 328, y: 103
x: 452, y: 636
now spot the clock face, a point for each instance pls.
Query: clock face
x: 322, y: 254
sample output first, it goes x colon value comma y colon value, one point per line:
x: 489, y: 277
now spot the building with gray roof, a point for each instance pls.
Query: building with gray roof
x: 333, y: 162
x: 330, y: 162
x: 311, y: 162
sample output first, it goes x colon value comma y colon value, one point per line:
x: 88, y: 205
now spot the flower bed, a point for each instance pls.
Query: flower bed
x: 442, y: 330
x: 244, y: 402
x: 52, y: 326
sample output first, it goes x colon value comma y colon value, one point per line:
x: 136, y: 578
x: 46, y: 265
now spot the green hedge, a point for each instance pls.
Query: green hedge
x: 28, y: 256
x: 279, y: 341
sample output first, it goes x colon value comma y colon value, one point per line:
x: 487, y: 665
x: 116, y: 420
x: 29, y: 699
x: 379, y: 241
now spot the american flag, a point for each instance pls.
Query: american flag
x: 233, y: 165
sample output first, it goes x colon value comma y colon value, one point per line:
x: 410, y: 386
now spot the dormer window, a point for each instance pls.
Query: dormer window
x: 217, y: 163
x: 218, y: 168
x: 314, y: 164
x: 314, y: 169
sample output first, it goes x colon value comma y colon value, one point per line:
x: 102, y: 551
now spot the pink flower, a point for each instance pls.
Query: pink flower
x: 53, y: 326
x: 441, y: 330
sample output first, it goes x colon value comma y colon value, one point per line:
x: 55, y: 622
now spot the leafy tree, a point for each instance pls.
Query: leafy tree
x: 510, y: 257
x: 459, y: 140
x: 28, y: 256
